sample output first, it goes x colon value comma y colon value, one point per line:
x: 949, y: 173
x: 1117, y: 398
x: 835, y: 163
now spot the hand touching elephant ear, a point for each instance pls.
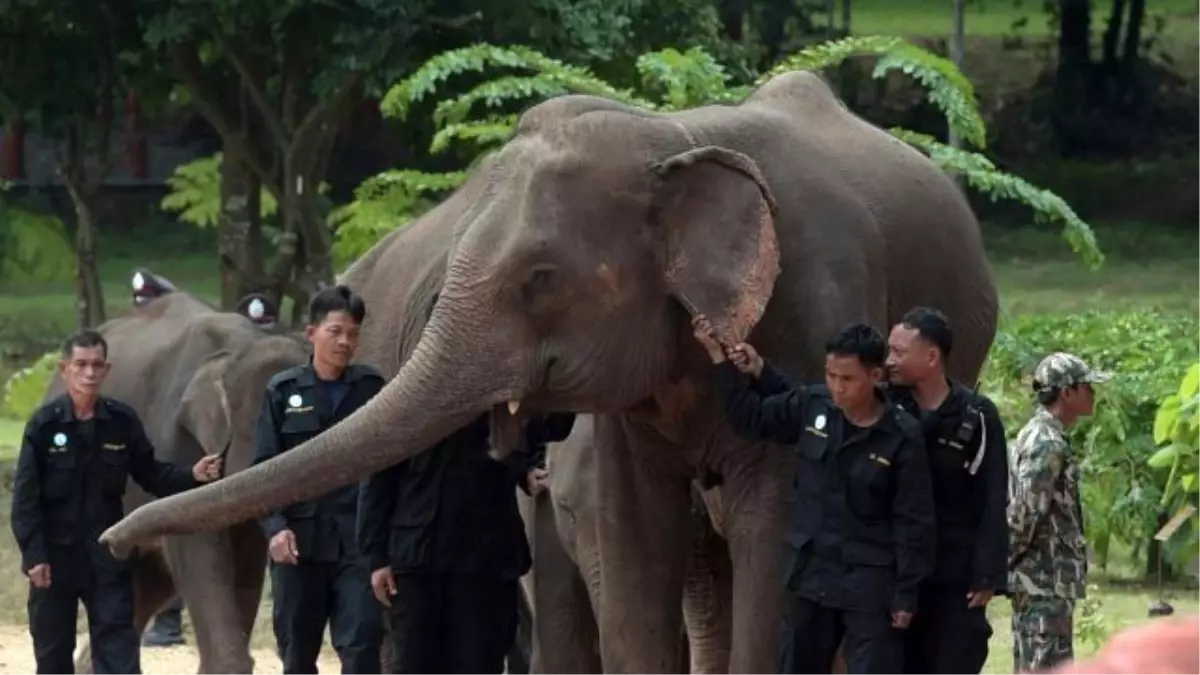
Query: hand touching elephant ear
x: 204, y: 409
x: 721, y: 256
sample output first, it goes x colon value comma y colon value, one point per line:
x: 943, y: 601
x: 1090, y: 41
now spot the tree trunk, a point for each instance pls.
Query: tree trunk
x: 846, y: 17
x: 1074, y: 33
x: 1112, y: 34
x: 1133, y: 33
x: 89, y: 294
x: 733, y: 16
x: 237, y: 230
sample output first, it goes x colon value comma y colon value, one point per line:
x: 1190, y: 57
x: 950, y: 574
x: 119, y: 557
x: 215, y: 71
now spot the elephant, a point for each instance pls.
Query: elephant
x: 564, y: 584
x: 195, y: 376
x: 568, y: 268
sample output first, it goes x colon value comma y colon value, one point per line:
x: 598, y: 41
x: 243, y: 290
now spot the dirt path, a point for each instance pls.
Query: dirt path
x: 16, y: 656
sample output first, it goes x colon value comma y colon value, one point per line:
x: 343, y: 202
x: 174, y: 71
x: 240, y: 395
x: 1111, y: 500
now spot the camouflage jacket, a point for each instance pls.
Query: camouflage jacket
x: 1047, y: 550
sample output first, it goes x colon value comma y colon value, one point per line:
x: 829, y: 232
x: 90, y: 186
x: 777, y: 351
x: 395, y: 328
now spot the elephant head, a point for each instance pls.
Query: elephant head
x: 220, y: 404
x: 583, y: 243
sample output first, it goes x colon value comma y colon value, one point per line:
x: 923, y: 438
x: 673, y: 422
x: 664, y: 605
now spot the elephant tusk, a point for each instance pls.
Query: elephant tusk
x: 513, y: 406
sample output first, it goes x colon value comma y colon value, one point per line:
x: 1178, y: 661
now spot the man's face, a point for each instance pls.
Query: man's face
x: 850, y: 383
x: 335, y: 339
x: 84, y: 370
x: 1080, y: 400
x: 910, y: 357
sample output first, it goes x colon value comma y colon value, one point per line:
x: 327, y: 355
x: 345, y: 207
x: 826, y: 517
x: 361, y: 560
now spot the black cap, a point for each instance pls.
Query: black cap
x: 148, y: 286
x: 259, y: 309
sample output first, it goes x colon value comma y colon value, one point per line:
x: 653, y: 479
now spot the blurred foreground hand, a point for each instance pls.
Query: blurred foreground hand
x: 1157, y: 646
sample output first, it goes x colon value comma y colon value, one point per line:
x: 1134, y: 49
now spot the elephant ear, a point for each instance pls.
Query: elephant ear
x: 721, y: 256
x: 204, y: 409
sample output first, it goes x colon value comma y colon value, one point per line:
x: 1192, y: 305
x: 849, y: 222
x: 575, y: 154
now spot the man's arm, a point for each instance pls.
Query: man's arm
x: 989, y: 568
x: 27, y: 521
x: 266, y: 446
x: 1034, y: 491
x: 774, y: 381
x: 160, y: 479
x: 754, y: 416
x: 376, y: 502
x: 913, y: 522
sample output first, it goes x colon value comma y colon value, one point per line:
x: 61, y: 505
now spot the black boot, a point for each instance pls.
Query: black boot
x: 167, y: 629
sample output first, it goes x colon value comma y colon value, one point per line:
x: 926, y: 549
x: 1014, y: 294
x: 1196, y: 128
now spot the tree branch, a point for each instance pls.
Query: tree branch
x: 191, y: 72
x: 258, y: 93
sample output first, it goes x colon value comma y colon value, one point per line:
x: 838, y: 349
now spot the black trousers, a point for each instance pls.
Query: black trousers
x: 109, y: 606
x: 452, y: 623
x: 812, y: 633
x: 946, y: 636
x: 309, y: 595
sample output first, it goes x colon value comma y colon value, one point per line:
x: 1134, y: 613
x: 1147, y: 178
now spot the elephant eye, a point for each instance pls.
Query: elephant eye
x: 542, y: 288
x: 541, y: 277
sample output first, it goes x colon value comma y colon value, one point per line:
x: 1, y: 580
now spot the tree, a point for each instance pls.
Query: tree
x: 678, y: 80
x: 66, y: 66
x: 275, y: 80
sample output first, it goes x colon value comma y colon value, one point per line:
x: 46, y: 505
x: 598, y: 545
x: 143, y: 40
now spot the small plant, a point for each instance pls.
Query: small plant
x: 24, y: 391
x: 1092, y: 627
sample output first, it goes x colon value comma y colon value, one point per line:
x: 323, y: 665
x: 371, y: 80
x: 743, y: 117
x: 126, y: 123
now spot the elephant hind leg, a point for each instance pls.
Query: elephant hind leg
x: 707, y: 596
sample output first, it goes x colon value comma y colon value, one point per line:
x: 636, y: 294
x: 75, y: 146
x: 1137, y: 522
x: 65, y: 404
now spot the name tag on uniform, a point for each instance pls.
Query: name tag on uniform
x: 879, y: 460
x: 296, y: 405
x: 816, y: 432
x: 113, y: 446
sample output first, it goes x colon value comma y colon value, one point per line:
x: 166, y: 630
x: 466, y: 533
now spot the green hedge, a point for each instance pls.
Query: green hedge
x: 1149, y: 352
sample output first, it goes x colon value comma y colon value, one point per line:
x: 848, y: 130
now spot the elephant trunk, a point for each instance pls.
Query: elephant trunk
x: 432, y: 396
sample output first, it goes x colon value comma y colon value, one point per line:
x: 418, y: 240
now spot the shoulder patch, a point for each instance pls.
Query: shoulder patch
x: 284, y: 376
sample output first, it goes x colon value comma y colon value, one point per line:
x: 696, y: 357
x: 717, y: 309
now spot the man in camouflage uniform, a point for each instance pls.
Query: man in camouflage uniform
x: 1047, y: 563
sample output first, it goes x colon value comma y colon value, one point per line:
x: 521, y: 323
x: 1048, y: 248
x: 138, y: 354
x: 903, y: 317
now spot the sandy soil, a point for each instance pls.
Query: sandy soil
x: 16, y: 656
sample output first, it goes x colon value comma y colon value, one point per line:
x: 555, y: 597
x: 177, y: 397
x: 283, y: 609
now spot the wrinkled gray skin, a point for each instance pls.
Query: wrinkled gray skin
x: 568, y: 265
x: 196, y: 378
x: 564, y: 584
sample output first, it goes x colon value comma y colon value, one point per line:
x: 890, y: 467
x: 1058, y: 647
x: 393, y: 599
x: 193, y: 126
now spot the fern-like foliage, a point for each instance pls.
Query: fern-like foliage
x: 675, y: 80
x: 949, y: 89
x: 195, y: 193
x: 983, y: 175
x: 33, y: 247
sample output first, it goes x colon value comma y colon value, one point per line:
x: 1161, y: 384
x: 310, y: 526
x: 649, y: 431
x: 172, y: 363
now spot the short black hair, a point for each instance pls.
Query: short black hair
x: 861, y: 340
x: 336, y: 299
x: 84, y: 339
x: 933, y: 327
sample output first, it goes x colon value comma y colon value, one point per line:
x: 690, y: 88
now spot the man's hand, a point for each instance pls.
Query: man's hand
x: 901, y: 619
x: 535, y: 481
x: 979, y: 598
x: 39, y: 575
x: 207, y: 469
x: 383, y: 585
x: 703, y: 331
x: 283, y: 548
x: 747, y: 359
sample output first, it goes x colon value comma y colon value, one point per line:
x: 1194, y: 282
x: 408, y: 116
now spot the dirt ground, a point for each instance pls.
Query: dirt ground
x: 16, y: 656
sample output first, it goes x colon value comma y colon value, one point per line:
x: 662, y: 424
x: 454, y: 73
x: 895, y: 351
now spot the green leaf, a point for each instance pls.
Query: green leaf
x: 23, y: 392
x: 33, y: 247
x: 1164, y: 420
x: 1190, y: 385
x: 1163, y: 457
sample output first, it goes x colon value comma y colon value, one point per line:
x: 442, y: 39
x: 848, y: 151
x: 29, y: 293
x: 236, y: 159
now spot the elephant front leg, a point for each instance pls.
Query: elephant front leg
x: 642, y: 538
x: 205, y: 570
x: 758, y: 500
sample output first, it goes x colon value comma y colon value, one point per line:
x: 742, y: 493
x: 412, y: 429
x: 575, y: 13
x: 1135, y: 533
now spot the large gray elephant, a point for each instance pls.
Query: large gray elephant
x: 196, y: 375
x: 568, y: 265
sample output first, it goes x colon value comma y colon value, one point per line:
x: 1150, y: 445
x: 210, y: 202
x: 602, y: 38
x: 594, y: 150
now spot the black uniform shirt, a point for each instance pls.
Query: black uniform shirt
x: 968, y: 460
x: 862, y: 528
x: 70, y: 482
x: 453, y: 508
x: 298, y: 406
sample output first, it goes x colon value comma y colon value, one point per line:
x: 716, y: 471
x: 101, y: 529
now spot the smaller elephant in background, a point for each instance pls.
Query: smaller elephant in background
x: 564, y: 586
x: 196, y: 375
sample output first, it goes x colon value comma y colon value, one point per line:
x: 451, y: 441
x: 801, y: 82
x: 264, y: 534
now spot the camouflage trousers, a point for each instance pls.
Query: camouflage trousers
x: 1043, y: 631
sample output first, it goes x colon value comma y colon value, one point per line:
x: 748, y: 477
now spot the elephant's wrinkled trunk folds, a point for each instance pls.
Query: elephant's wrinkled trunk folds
x: 429, y: 399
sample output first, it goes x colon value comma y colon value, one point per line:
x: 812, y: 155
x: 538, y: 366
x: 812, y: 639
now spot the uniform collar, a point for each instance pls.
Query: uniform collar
x: 65, y: 411
x: 1043, y: 415
x: 308, y: 375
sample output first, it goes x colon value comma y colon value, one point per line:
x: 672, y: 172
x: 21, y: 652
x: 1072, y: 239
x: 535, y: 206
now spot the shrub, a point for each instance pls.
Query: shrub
x: 24, y: 391
x: 1148, y: 351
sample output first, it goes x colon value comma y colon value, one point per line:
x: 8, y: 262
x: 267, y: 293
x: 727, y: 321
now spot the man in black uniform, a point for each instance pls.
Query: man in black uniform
x: 317, y: 573
x: 443, y: 535
x: 77, y: 453
x: 861, y: 538
x: 968, y: 457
